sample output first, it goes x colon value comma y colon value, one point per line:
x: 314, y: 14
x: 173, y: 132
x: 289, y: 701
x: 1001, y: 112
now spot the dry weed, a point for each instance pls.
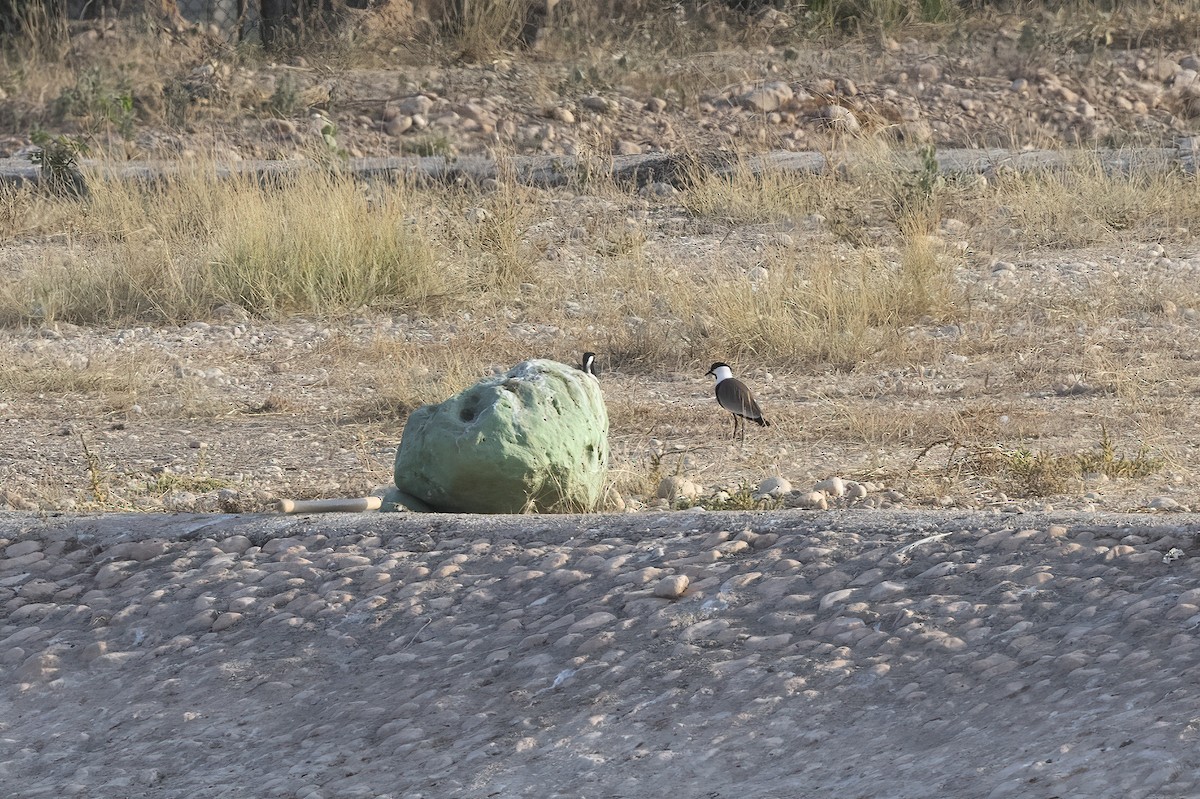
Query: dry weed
x: 316, y: 243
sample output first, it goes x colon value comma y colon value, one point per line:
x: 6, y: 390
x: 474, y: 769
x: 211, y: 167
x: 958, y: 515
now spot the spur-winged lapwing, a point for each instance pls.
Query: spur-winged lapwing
x: 735, y: 396
x: 589, y: 364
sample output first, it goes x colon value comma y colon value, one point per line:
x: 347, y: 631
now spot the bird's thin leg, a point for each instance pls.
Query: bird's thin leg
x: 734, y: 426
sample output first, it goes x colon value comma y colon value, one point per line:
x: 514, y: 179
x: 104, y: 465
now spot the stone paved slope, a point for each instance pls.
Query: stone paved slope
x: 842, y: 654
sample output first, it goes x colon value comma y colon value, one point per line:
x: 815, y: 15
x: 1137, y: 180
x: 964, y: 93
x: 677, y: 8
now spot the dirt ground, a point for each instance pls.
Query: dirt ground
x: 1075, y: 341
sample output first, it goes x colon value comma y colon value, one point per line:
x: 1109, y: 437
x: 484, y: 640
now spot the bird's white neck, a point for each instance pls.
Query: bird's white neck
x: 722, y: 373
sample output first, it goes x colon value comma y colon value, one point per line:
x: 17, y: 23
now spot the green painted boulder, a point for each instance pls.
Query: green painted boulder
x: 535, y: 439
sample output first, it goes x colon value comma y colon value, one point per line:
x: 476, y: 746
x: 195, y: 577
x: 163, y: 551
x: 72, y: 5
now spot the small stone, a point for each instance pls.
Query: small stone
x: 397, y: 125
x: 225, y: 621
x: 22, y: 548
x: 832, y: 486
x: 138, y: 550
x: 671, y: 587
x: 767, y: 98
x: 774, y: 487
x: 280, y: 128
x: 1165, y: 504
x: 815, y: 500
x: 38, y: 668
x: 839, y: 119
x: 758, y: 274
x: 836, y: 598
x: 916, y: 131
x: 411, y: 106
x: 656, y: 105
x: 598, y: 104
x: 111, y: 573
x: 235, y: 544
x: 675, y: 488
x: 886, y: 590
x: 658, y: 191
x: 590, y: 622
x: 855, y: 490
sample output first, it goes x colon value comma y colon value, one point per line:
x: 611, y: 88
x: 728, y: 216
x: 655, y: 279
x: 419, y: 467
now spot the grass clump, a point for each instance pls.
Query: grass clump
x: 1085, y: 204
x: 831, y: 308
x: 175, y: 251
x: 1036, y: 473
x: 167, y: 482
x: 749, y: 195
x: 854, y: 16
x: 316, y: 248
x: 744, y: 497
x: 481, y: 29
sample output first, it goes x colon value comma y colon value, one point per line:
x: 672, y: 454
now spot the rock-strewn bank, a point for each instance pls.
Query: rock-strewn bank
x: 854, y: 653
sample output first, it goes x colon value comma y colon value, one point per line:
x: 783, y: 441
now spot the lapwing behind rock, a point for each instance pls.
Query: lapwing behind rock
x: 589, y: 364
x: 735, y: 396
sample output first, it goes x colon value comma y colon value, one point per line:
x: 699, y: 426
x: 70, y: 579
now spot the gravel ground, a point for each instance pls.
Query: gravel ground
x: 854, y: 653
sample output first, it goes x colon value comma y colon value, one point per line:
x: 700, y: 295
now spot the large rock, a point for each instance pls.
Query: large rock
x: 535, y: 438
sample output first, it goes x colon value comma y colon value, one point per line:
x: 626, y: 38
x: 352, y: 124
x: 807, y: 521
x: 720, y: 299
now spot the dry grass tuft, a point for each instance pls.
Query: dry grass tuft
x: 1084, y: 205
x: 315, y: 244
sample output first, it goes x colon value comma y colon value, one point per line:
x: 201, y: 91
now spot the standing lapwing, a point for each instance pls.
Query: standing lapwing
x: 589, y: 364
x: 735, y: 396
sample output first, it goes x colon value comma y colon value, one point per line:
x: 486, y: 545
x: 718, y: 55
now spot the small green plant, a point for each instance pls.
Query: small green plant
x: 428, y: 145
x: 285, y: 100
x: 745, y: 497
x: 1038, y: 474
x: 1105, y: 460
x: 1027, y: 472
x: 167, y: 482
x: 95, y: 101
x: 916, y: 200
x: 57, y: 161
x: 95, y: 472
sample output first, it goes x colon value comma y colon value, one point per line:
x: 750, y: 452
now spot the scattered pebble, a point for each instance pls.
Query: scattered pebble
x: 671, y: 587
x: 774, y: 487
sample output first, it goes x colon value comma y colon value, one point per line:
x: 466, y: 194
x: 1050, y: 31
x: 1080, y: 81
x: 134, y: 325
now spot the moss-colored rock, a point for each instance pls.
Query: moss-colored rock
x: 535, y: 438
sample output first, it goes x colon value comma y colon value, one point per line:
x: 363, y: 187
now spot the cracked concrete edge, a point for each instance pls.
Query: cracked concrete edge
x: 426, y: 528
x: 646, y: 168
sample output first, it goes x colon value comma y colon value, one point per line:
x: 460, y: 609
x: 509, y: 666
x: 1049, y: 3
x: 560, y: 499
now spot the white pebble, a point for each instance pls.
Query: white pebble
x: 832, y: 486
x: 774, y: 487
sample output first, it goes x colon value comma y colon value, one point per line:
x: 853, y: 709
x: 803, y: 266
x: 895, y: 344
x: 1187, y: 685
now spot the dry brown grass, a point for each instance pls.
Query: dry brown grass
x: 1083, y: 206
x: 316, y: 243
